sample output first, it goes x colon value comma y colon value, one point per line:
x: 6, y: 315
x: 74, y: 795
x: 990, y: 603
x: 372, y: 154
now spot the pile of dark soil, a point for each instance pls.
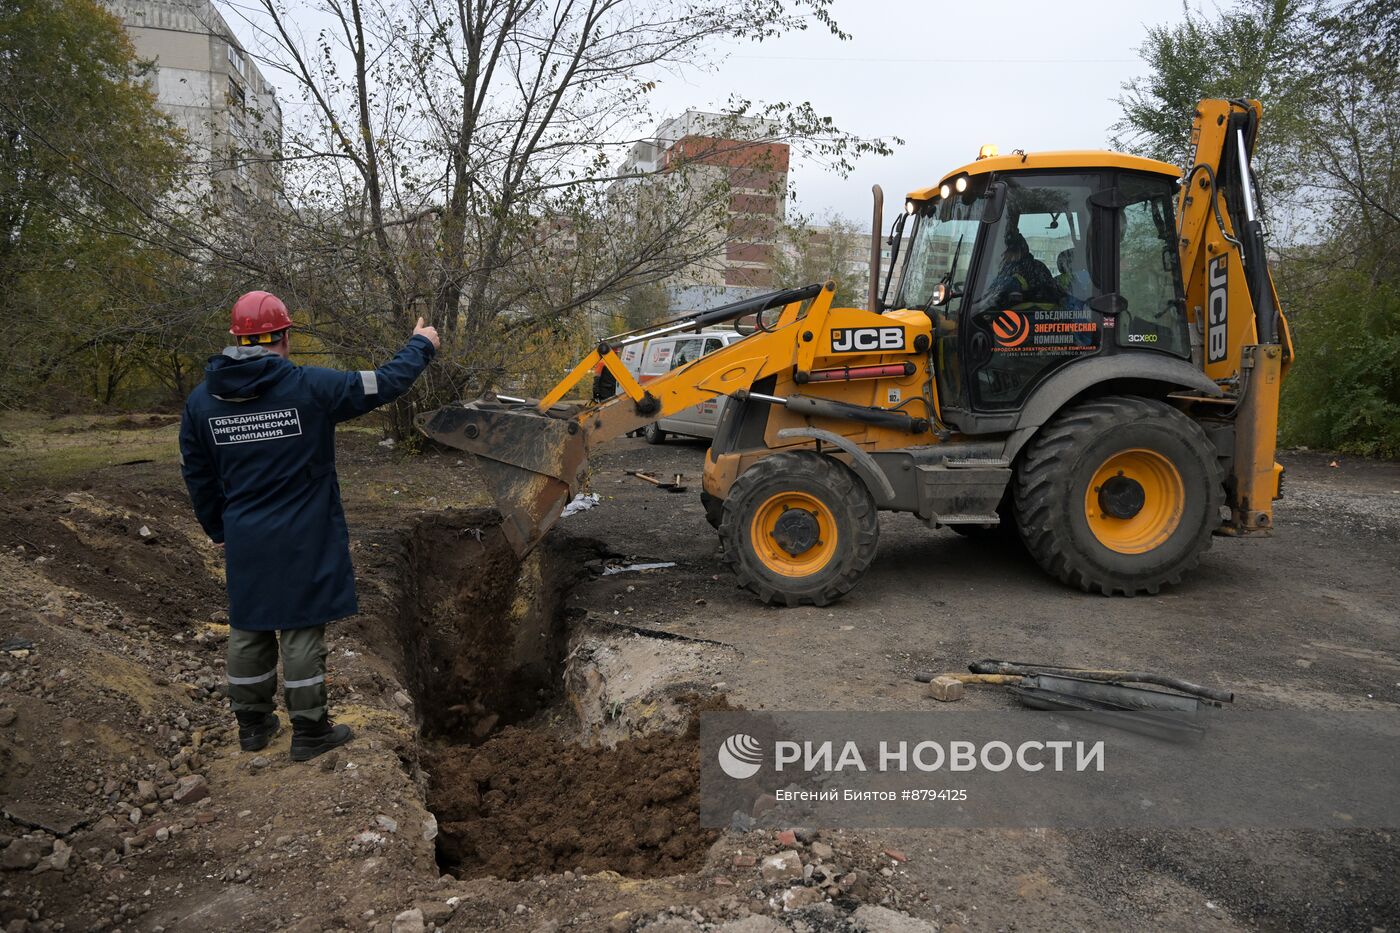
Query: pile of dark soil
x: 528, y: 803
x: 135, y: 549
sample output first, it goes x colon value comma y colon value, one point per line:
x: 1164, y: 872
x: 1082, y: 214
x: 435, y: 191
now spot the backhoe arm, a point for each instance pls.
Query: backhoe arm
x: 726, y: 371
x: 534, y: 455
x: 1241, y: 335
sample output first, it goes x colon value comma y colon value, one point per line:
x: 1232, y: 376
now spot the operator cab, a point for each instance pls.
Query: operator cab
x: 1028, y: 263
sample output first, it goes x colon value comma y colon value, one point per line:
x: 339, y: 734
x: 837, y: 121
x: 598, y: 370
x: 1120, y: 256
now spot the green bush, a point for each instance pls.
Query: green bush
x: 1343, y: 393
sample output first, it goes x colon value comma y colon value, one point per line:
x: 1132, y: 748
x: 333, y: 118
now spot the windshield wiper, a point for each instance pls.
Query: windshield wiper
x: 948, y: 276
x: 957, y: 251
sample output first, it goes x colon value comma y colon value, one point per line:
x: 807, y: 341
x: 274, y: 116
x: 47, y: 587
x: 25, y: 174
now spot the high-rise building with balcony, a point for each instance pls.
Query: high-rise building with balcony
x: 206, y: 80
x: 736, y: 156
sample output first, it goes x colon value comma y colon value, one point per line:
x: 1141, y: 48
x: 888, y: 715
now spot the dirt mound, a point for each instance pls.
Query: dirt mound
x: 138, y: 550
x: 124, y: 423
x: 143, y: 422
x: 528, y: 803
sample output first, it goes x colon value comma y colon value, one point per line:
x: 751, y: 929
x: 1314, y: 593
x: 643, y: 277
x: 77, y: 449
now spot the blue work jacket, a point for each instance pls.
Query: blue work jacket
x: 257, y: 448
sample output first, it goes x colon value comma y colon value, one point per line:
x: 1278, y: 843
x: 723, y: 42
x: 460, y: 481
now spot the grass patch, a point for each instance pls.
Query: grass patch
x: 58, y: 452
x: 40, y: 449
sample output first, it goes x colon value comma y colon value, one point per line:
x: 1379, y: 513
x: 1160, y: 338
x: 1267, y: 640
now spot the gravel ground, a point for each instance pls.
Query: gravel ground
x: 1305, y: 619
x: 129, y: 807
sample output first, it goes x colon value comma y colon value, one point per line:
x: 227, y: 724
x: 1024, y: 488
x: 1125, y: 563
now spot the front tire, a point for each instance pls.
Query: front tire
x: 1119, y: 495
x: 799, y: 528
x: 654, y: 434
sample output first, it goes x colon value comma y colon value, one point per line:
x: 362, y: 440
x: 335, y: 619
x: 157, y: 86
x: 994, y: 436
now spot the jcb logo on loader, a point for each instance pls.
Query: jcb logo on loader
x: 1217, y: 307
x: 866, y: 339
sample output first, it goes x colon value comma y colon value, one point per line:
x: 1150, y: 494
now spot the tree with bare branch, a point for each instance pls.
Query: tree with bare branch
x: 456, y: 159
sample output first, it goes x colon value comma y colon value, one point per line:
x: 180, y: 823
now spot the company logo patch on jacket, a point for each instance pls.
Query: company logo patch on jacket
x: 255, y: 426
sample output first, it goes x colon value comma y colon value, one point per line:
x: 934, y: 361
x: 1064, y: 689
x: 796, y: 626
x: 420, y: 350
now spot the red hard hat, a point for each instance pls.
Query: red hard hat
x: 258, y: 313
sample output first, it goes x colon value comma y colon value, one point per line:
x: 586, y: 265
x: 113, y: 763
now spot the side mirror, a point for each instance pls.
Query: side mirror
x: 897, y: 230
x: 996, y: 202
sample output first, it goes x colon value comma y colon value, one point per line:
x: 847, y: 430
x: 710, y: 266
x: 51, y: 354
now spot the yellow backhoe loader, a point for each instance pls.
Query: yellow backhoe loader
x: 1083, y: 346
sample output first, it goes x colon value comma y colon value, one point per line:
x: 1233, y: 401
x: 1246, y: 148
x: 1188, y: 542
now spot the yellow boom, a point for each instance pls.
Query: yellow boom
x: 534, y: 455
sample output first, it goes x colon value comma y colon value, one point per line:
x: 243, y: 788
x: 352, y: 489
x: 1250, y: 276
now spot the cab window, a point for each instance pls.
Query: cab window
x: 1034, y: 278
x: 1149, y: 270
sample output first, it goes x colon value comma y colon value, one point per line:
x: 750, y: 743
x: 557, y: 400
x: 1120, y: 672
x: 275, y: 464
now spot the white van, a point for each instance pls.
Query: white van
x: 659, y: 356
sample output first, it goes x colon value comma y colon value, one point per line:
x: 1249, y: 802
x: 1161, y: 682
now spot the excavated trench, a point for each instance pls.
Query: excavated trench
x: 516, y: 787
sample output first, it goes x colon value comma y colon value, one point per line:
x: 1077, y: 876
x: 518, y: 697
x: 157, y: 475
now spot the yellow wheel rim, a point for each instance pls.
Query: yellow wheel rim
x: 1134, y: 501
x: 810, y: 533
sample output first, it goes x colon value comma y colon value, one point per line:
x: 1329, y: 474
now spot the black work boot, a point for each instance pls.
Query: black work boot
x: 310, y: 739
x: 256, y: 730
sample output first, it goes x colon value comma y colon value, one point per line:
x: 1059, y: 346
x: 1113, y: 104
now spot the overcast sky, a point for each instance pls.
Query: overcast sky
x: 944, y: 77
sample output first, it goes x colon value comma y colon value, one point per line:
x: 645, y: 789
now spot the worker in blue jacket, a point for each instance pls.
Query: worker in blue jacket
x: 257, y: 445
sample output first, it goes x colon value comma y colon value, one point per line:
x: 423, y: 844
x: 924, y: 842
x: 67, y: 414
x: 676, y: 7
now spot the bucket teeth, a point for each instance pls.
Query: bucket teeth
x: 532, y: 464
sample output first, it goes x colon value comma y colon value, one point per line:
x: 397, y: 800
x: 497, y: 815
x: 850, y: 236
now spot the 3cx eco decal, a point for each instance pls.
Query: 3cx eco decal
x: 1046, y: 330
x: 1218, y: 309
x: 866, y: 339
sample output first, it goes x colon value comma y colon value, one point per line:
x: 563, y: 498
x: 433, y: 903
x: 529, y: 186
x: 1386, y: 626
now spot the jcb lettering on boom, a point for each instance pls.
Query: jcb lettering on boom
x: 1217, y: 304
x: 866, y: 339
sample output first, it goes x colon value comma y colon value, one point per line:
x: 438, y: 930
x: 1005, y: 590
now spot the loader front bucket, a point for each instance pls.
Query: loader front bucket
x: 532, y: 463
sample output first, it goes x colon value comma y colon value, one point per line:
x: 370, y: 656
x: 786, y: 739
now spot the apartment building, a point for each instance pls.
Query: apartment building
x: 710, y: 149
x: 206, y: 80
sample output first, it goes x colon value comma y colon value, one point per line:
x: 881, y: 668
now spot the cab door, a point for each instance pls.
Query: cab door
x: 1029, y: 310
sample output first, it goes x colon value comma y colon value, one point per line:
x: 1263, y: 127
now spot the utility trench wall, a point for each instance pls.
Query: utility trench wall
x: 484, y: 638
x: 483, y: 632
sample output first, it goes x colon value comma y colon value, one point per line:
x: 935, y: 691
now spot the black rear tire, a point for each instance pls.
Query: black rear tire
x: 1058, y: 510
x: 654, y: 434
x: 841, y: 508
